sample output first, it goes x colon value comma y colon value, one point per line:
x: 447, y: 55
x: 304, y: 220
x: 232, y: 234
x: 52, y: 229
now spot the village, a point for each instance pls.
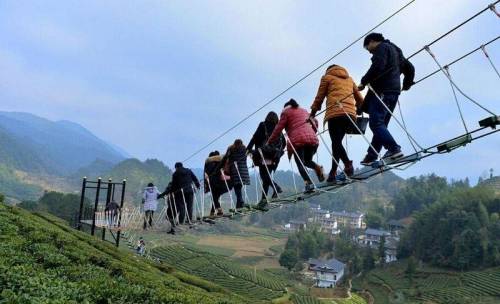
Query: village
x: 328, y: 273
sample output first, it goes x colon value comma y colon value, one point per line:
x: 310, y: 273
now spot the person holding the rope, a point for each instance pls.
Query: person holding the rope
x: 302, y: 140
x: 342, y: 101
x: 181, y: 189
x: 267, y: 157
x: 214, y: 182
x: 111, y: 212
x: 383, y: 76
x: 149, y: 199
x: 235, y: 165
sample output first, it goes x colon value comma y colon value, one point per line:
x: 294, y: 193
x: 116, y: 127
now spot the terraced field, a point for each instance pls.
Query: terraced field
x: 433, y: 286
x: 257, y: 286
x: 355, y: 299
x: 305, y: 300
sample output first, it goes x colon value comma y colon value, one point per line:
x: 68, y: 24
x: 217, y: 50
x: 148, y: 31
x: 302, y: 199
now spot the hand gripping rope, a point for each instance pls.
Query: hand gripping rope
x: 268, y: 172
x: 228, y: 190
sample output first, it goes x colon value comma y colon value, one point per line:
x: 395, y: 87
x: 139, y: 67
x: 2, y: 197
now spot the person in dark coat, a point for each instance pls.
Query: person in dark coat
x: 111, y: 211
x: 214, y: 182
x: 236, y: 160
x: 272, y: 153
x: 383, y: 75
x: 182, y: 190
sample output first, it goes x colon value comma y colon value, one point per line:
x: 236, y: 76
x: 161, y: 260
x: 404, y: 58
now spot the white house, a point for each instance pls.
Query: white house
x: 391, y: 249
x: 353, y: 220
x: 327, y: 273
x: 372, y: 237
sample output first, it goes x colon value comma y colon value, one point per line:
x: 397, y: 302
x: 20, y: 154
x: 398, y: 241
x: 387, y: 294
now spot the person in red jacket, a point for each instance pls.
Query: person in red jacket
x: 302, y: 139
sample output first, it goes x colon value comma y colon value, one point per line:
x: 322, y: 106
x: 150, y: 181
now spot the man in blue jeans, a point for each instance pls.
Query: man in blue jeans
x: 384, y: 77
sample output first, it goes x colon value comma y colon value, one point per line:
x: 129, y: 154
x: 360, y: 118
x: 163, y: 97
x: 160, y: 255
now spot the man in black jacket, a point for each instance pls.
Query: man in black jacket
x: 383, y: 76
x: 182, y: 190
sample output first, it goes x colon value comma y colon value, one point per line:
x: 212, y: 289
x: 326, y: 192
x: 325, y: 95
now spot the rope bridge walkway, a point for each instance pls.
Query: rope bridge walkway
x: 132, y: 219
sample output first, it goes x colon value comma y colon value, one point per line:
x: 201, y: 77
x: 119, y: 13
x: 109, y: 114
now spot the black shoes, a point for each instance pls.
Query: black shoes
x: 392, y: 155
x: 369, y: 160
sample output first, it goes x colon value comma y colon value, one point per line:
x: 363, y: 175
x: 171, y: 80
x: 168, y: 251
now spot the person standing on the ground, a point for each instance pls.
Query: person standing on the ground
x: 383, y: 76
x: 150, y: 201
x: 141, y: 246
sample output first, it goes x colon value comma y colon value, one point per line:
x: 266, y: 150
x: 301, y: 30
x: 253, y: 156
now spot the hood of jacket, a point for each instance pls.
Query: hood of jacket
x: 215, y: 158
x: 338, y: 71
x: 151, y: 189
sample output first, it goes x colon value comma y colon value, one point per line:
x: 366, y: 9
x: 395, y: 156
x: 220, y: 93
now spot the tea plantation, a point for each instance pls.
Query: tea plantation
x: 431, y: 285
x: 257, y: 286
x: 42, y: 260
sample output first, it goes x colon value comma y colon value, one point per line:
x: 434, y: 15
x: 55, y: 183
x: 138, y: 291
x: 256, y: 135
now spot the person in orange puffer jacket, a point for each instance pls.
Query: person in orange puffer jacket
x: 342, y: 101
x: 302, y: 140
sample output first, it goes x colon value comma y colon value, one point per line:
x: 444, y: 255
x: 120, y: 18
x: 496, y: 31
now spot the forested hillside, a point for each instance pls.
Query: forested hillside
x: 469, y: 230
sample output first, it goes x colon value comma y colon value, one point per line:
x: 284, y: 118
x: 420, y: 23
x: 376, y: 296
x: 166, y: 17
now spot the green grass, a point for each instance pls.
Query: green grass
x: 42, y: 260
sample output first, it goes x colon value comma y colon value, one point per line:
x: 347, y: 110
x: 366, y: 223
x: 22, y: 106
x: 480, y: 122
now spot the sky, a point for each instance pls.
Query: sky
x: 160, y: 79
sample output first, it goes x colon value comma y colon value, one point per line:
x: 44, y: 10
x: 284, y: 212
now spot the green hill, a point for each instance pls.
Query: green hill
x: 138, y: 174
x: 42, y: 260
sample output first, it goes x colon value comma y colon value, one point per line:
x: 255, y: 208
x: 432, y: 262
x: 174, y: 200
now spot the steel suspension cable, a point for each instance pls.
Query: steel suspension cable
x: 300, y: 80
x: 483, y: 48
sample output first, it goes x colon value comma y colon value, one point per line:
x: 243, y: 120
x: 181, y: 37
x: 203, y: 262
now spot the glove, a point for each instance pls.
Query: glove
x: 407, y: 86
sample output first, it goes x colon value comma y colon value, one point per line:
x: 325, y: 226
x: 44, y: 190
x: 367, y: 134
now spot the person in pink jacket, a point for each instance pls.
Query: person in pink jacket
x: 302, y: 139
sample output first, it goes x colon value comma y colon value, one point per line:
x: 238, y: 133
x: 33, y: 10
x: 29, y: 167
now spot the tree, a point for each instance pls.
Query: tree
x: 374, y: 219
x: 2, y: 198
x: 309, y: 247
x: 28, y: 205
x: 411, y: 268
x: 288, y: 259
x: 368, y: 260
x: 459, y: 230
x: 381, y: 251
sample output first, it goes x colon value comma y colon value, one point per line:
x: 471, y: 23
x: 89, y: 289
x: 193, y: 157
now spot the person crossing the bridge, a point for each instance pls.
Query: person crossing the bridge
x: 342, y: 100
x: 388, y: 63
x: 272, y: 154
x: 183, y: 193
x: 235, y: 165
x: 149, y: 199
x: 302, y: 140
x: 214, y: 182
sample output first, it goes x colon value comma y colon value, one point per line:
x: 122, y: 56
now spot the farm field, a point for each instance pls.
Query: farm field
x: 431, y: 286
x: 243, y: 246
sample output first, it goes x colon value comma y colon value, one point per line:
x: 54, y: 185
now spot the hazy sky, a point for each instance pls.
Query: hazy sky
x: 162, y: 78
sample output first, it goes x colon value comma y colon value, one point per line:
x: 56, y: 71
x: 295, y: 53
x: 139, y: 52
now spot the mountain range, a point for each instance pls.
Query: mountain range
x: 38, y: 154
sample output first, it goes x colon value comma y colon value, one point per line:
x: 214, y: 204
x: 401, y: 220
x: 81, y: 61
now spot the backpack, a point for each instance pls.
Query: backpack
x: 406, y: 68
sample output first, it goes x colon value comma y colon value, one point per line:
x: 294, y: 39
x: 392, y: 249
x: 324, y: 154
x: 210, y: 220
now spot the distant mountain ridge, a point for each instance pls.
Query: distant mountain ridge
x: 35, y: 144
